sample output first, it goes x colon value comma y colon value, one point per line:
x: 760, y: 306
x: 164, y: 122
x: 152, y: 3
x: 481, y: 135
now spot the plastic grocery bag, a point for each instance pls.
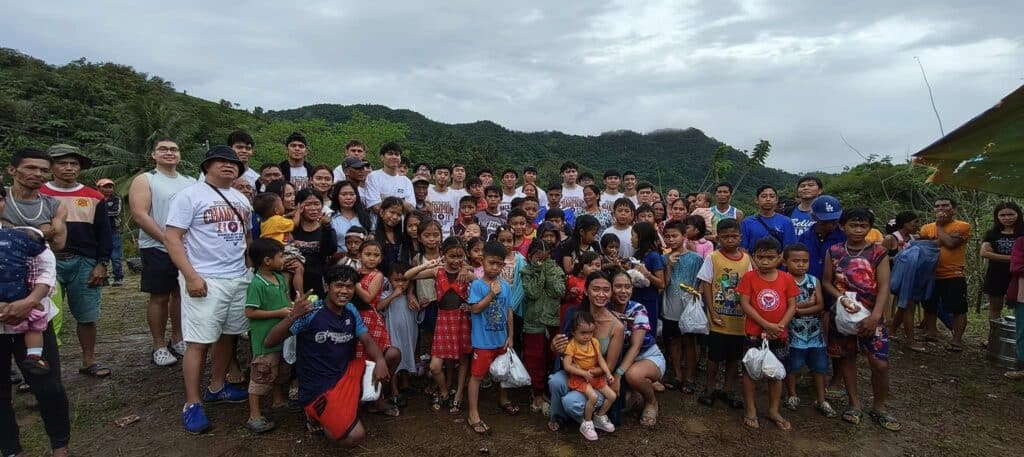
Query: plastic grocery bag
x: 846, y: 322
x: 288, y: 350
x: 371, y: 390
x: 509, y: 370
x: 761, y: 363
x: 694, y: 319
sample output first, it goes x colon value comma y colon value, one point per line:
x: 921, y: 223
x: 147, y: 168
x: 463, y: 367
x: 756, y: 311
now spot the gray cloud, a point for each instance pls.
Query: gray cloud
x: 800, y: 73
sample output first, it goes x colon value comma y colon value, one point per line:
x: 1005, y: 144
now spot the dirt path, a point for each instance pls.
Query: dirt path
x: 950, y: 404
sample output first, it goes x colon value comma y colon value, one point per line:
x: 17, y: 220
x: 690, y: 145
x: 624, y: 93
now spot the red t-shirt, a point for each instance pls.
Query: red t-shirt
x: 769, y: 299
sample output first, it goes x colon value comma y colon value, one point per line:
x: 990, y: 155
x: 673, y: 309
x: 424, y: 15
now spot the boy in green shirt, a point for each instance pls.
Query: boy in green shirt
x: 266, y: 303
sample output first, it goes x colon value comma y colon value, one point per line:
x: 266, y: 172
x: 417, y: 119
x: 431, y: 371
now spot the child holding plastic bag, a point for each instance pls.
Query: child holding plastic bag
x: 861, y: 267
x: 682, y: 266
x: 768, y: 297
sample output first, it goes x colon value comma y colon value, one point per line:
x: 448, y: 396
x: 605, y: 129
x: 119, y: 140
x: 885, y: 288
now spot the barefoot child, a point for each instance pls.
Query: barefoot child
x: 20, y: 246
x: 806, y: 339
x: 266, y: 304
x: 861, y: 267
x: 491, y: 314
x: 270, y: 207
x: 451, y: 338
x: 719, y: 275
x: 768, y: 297
x: 582, y: 355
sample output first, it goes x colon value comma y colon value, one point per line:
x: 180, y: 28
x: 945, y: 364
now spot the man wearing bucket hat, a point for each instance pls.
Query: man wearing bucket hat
x: 821, y: 235
x: 82, y: 264
x: 208, y: 230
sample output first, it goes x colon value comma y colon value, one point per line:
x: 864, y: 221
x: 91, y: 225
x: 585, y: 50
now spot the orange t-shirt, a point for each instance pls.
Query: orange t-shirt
x: 951, y: 261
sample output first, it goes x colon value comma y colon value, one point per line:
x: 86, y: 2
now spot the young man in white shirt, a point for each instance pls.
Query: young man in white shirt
x: 208, y: 232
x: 612, y: 179
x: 629, y: 186
x: 296, y: 170
x: 389, y: 180
x: 354, y: 148
x: 441, y: 201
x: 509, y: 178
x: 244, y: 148
x: 572, y: 193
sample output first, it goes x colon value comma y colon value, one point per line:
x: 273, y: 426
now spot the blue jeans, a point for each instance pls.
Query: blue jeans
x: 567, y: 404
x: 115, y: 257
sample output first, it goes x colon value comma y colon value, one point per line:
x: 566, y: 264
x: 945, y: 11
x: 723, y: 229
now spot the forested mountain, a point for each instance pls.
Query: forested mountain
x: 113, y: 112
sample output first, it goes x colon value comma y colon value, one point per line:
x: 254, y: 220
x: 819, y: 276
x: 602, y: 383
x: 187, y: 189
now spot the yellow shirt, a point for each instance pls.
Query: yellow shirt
x: 951, y: 261
x: 277, y: 228
x: 874, y: 236
x: 583, y: 355
x: 724, y: 276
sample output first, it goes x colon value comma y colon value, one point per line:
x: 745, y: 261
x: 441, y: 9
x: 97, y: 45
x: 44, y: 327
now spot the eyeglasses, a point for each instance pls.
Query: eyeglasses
x: 166, y: 149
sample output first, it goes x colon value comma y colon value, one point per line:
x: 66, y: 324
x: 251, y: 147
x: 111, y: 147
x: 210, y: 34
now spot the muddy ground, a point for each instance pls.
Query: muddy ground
x: 949, y: 404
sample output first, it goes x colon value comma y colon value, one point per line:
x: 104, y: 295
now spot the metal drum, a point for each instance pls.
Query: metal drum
x: 1002, y: 342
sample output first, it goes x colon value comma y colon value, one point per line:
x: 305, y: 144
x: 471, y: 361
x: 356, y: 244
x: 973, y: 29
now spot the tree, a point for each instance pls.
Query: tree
x: 755, y: 159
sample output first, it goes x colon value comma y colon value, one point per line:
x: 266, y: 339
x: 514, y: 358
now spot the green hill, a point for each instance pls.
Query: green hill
x: 113, y: 112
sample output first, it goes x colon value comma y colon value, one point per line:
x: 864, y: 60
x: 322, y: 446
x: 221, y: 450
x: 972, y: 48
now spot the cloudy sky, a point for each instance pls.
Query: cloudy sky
x: 802, y: 74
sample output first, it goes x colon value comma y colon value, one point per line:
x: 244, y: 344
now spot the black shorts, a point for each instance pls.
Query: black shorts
x: 670, y: 330
x: 997, y: 280
x: 159, y: 275
x: 725, y: 348
x: 951, y: 293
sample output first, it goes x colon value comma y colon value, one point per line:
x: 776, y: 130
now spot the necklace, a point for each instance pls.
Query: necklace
x: 14, y: 204
x: 846, y: 244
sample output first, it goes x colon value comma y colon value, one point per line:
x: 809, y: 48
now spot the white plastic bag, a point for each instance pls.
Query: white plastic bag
x: 846, y: 322
x: 694, y: 319
x: 288, y: 350
x: 762, y: 363
x: 371, y: 390
x: 509, y: 370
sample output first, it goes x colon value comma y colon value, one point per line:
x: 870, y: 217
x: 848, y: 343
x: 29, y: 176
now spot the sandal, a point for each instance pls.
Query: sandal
x: 825, y: 409
x: 781, y: 423
x: 510, y: 408
x: 554, y: 426
x: 480, y: 428
x: 673, y: 384
x: 953, y: 347
x: 436, y: 403
x: 853, y: 416
x: 1011, y: 375
x: 886, y: 420
x: 24, y: 388
x: 649, y: 417
x: 835, y: 394
x: 688, y: 387
x: 389, y: 411
x: 398, y: 400
x: 918, y: 348
x: 751, y: 422
x: 455, y: 407
x: 234, y: 378
x: 95, y: 370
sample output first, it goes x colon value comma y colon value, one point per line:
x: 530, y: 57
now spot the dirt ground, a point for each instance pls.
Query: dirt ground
x: 949, y: 404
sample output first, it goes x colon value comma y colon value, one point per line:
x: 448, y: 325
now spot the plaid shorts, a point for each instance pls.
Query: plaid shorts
x: 451, y: 335
x: 378, y: 330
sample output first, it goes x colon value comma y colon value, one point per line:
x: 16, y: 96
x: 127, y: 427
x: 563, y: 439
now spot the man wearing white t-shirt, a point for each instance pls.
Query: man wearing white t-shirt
x: 509, y: 178
x: 296, y: 170
x: 458, y: 184
x: 389, y: 180
x: 356, y: 149
x: 530, y: 177
x: 572, y: 193
x: 612, y: 179
x: 441, y: 201
x: 208, y: 228
x: 629, y: 187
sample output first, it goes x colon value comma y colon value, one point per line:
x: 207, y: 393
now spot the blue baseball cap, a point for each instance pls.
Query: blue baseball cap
x: 826, y: 208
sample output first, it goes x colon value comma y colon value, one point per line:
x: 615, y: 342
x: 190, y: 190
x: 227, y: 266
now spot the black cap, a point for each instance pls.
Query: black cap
x: 222, y: 152
x: 354, y: 162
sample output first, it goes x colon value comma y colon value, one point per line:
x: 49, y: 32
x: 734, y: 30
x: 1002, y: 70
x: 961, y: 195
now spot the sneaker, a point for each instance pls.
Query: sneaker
x: 587, y: 429
x: 177, y: 349
x: 227, y: 394
x: 194, y: 419
x: 825, y: 409
x: 260, y: 425
x: 602, y: 423
x: 35, y: 366
x: 163, y: 358
x: 792, y: 403
x: 117, y: 283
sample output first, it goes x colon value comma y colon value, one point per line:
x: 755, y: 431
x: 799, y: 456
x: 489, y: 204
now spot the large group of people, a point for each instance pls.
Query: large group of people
x: 323, y: 273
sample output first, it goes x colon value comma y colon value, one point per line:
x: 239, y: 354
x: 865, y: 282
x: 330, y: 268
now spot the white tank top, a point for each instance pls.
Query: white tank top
x: 161, y: 189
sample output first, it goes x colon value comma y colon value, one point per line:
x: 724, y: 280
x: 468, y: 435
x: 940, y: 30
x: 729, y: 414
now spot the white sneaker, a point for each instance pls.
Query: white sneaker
x: 602, y: 423
x: 587, y: 429
x: 163, y: 358
x: 178, y: 349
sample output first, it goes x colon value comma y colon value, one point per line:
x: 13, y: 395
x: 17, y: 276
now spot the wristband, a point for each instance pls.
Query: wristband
x: 620, y: 372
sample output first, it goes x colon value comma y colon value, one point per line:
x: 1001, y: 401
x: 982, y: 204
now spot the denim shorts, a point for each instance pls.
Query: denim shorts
x: 815, y: 359
x: 655, y: 356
